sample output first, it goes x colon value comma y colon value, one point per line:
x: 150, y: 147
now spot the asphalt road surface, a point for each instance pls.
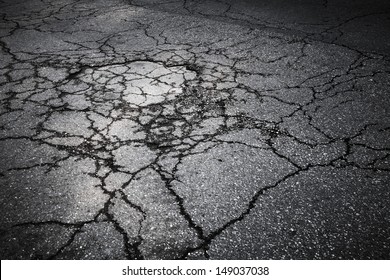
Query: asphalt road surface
x: 190, y: 129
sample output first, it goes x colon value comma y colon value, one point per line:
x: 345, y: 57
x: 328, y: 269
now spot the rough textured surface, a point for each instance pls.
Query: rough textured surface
x: 194, y: 129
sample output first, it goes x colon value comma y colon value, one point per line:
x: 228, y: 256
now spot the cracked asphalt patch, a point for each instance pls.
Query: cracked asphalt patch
x: 194, y: 129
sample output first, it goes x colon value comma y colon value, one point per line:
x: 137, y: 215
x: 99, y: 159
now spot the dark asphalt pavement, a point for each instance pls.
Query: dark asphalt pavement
x: 211, y: 129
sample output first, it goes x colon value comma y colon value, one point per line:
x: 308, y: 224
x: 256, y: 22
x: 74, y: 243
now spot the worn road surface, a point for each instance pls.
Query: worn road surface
x: 190, y: 129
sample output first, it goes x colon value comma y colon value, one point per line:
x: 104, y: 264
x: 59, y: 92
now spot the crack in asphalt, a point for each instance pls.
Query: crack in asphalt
x: 163, y: 128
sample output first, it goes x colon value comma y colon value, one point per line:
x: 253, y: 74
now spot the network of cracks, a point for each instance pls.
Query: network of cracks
x: 136, y: 133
